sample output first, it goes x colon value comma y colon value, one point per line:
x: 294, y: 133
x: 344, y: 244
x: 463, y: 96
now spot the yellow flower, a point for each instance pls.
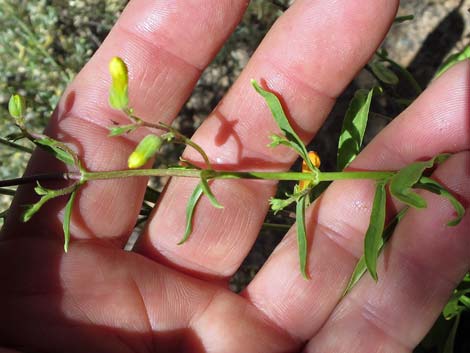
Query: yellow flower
x: 315, y: 159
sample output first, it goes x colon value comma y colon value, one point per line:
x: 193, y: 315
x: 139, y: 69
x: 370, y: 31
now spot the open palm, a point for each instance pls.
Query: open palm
x: 168, y: 298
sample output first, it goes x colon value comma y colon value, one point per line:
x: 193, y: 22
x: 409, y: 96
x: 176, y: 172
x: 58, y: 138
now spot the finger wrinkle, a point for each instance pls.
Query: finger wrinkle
x: 340, y: 240
x: 159, y: 48
x: 180, y: 24
x: 302, y: 84
x: 373, y: 318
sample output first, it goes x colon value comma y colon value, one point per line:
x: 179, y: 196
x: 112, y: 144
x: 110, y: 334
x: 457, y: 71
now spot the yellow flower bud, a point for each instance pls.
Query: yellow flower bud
x: 118, y: 71
x: 145, y: 150
x: 118, y: 97
x: 315, y: 159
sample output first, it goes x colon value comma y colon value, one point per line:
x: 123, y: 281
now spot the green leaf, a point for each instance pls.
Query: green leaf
x: 458, y: 302
x: 190, y: 207
x: 302, y: 234
x: 46, y: 195
x: 58, y: 149
x: 354, y: 128
x: 357, y: 274
x: 373, y: 240
x: 452, y: 60
x: 207, y: 190
x: 361, y: 267
x: 121, y: 129
x: 31, y: 210
x: 383, y: 73
x: 436, y: 188
x: 67, y: 217
x: 402, y: 182
x: 279, y: 204
x: 280, y: 117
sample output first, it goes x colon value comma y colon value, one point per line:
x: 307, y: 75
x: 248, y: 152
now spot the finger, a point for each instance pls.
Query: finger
x: 423, y: 263
x: 337, y: 222
x: 165, y: 45
x: 308, y: 57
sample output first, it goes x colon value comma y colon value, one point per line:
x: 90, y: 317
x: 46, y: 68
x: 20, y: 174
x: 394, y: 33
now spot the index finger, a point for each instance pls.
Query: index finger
x: 166, y: 45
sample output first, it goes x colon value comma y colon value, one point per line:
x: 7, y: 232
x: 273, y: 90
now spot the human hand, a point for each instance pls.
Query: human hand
x: 169, y: 298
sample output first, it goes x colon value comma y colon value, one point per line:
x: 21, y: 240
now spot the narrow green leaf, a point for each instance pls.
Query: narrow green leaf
x: 357, y: 274
x: 208, y: 192
x: 67, y: 217
x: 58, y: 149
x: 31, y: 210
x: 279, y: 204
x: 383, y: 73
x: 121, y: 129
x: 452, y: 60
x: 361, y: 267
x: 281, y: 119
x: 190, y: 207
x: 354, y: 128
x: 436, y: 188
x: 453, y: 306
x: 373, y: 240
x: 465, y: 300
x: 402, y: 182
x: 302, y: 234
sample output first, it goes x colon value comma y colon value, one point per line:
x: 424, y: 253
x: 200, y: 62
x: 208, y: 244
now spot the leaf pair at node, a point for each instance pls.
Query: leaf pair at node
x: 310, y: 164
x: 402, y: 185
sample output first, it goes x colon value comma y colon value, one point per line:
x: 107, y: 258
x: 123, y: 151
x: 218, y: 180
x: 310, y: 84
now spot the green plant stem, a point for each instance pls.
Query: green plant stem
x: 14, y: 145
x: 183, y: 139
x: 8, y: 192
x: 39, y: 177
x: 196, y: 173
x: 214, y: 174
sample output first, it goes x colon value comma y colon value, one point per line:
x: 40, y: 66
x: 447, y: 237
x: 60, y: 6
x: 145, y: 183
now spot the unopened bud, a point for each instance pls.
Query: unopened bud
x: 145, y: 150
x: 17, y: 106
x: 118, y: 97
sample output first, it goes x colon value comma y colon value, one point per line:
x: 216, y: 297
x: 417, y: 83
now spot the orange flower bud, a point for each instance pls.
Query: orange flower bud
x: 315, y: 159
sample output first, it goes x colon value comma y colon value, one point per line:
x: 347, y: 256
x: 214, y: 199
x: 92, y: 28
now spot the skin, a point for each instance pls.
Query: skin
x: 168, y: 298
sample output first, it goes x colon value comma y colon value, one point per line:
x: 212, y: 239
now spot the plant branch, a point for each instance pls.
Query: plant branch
x: 14, y: 145
x: 39, y: 177
x: 214, y: 174
x: 85, y: 176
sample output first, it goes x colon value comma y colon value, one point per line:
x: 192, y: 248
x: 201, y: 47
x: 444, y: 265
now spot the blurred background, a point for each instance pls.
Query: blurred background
x: 44, y: 43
